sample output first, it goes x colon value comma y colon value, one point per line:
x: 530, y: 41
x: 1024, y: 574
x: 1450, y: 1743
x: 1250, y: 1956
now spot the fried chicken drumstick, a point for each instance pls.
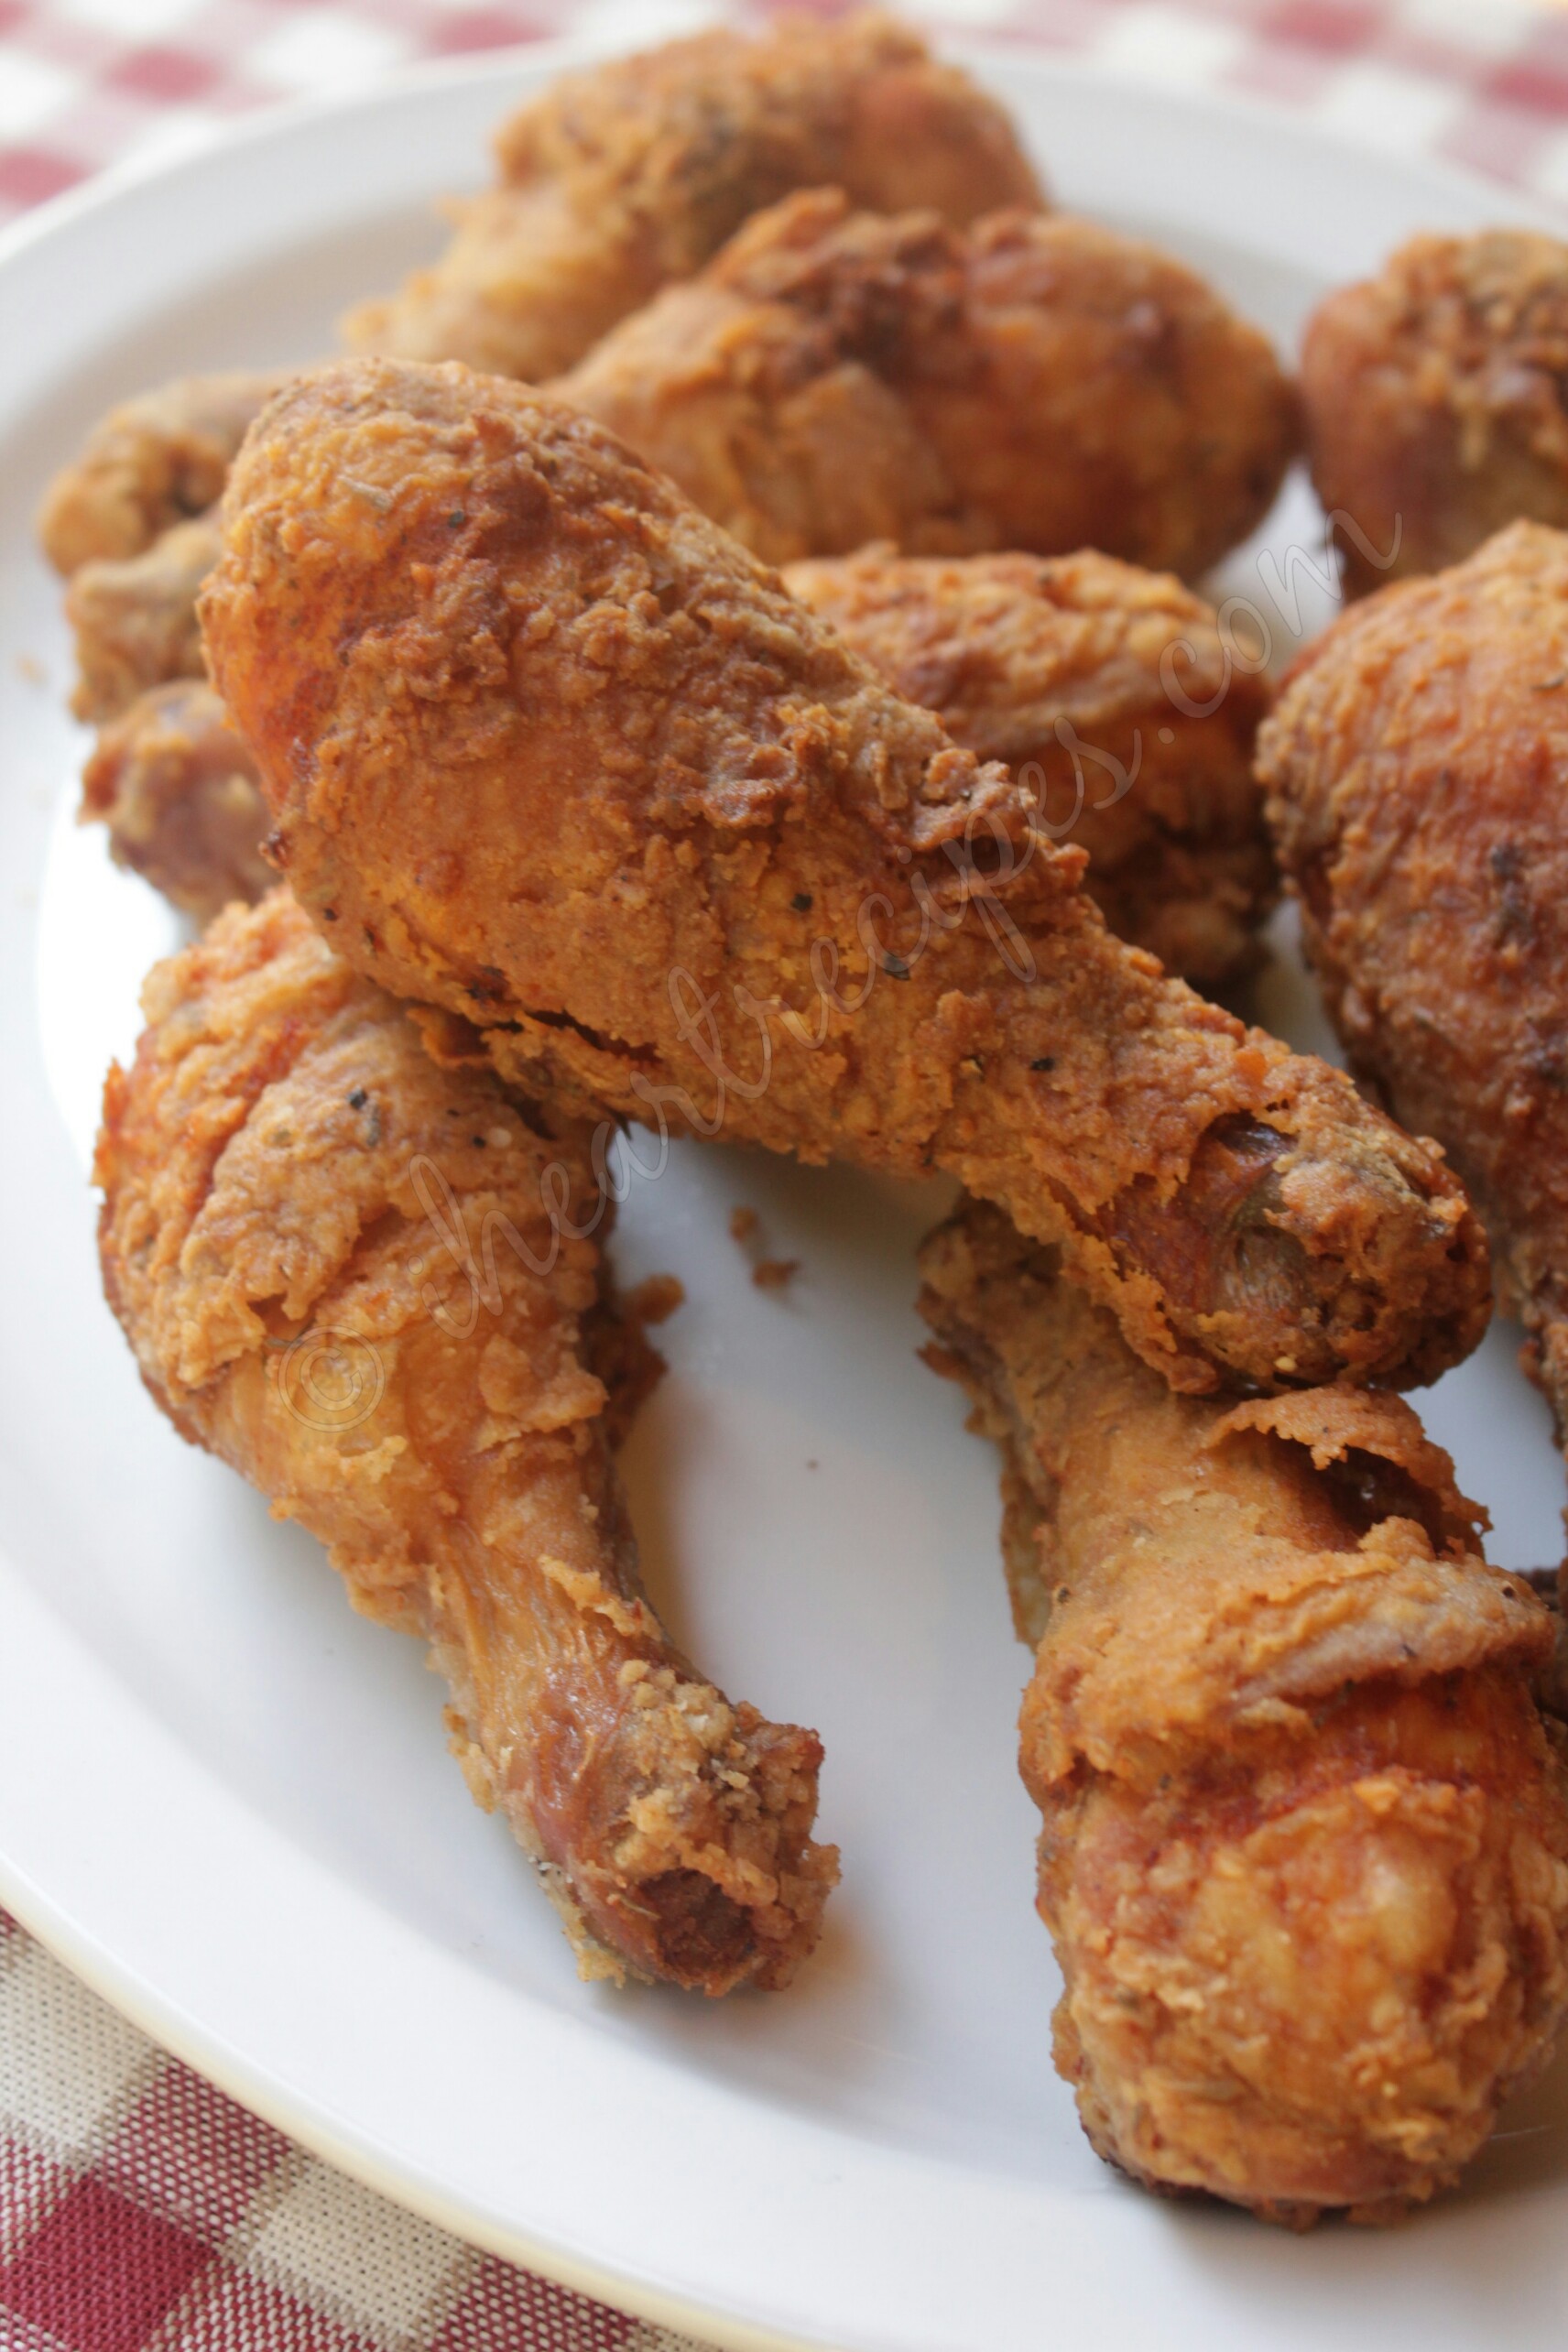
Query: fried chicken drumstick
x: 158, y: 461
x: 425, y: 1388
x: 635, y: 172
x: 1107, y: 688
x: 177, y: 790
x: 1304, y: 1858
x: 1415, y: 767
x: 135, y: 618
x: 834, y: 376
x: 1108, y: 693
x: 1435, y: 400
x: 546, y: 747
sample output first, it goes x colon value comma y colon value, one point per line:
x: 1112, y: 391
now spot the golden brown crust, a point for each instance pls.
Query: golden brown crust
x: 1414, y: 766
x: 1434, y: 402
x: 547, y: 748
x: 1111, y: 694
x: 135, y: 619
x: 634, y: 172
x: 158, y: 460
x: 353, y: 1275
x: 834, y: 376
x: 1307, y: 1979
x: 1107, y: 689
x: 177, y: 790
x: 1304, y: 1855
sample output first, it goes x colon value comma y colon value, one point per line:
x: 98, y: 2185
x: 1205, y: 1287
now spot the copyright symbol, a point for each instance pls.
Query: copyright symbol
x: 330, y: 1379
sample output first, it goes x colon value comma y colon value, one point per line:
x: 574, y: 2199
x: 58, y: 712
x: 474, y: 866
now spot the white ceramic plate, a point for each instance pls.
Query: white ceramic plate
x: 226, y: 1802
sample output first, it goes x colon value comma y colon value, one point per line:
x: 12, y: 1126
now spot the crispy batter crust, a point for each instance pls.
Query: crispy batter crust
x: 1304, y: 1855
x: 177, y: 790
x: 338, y: 1270
x: 834, y: 376
x: 158, y: 461
x: 135, y: 619
x: 1066, y: 667
x: 1110, y: 693
x: 1107, y: 689
x: 633, y: 173
x: 1435, y: 400
x: 1415, y: 767
x: 548, y: 748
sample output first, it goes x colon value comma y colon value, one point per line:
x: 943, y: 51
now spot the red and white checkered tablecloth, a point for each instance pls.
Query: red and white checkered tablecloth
x: 141, y: 2210
x: 85, y: 83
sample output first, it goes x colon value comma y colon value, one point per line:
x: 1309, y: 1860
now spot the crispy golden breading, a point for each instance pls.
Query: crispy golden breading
x: 1110, y: 693
x: 135, y: 618
x: 834, y: 376
x: 339, y: 1270
x: 545, y: 747
x: 1305, y: 1848
x: 1435, y: 400
x: 634, y: 172
x: 177, y: 790
x: 158, y: 461
x: 1081, y: 672
x: 1107, y: 689
x: 1415, y: 766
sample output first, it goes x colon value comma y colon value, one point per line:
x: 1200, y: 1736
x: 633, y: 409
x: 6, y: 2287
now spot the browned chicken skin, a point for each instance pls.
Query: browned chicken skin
x: 1435, y: 400
x: 835, y: 377
x: 178, y: 792
x: 634, y: 172
x: 340, y: 1270
x: 546, y: 747
x: 135, y: 618
x: 158, y: 461
x: 1305, y: 1848
x: 1105, y: 687
x: 1109, y: 693
x: 1063, y: 667
x: 1416, y: 767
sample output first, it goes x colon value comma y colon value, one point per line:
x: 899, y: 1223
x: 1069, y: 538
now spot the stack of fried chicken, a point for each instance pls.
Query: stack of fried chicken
x: 912, y: 854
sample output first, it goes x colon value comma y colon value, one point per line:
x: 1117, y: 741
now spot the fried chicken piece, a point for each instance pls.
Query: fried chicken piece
x: 354, y: 1276
x: 178, y: 790
x: 1414, y: 767
x: 1112, y: 695
x: 170, y: 776
x: 1435, y: 400
x: 135, y: 619
x: 158, y: 461
x: 1304, y: 1858
x: 1109, y: 690
x: 634, y: 172
x: 545, y: 747
x: 834, y: 376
